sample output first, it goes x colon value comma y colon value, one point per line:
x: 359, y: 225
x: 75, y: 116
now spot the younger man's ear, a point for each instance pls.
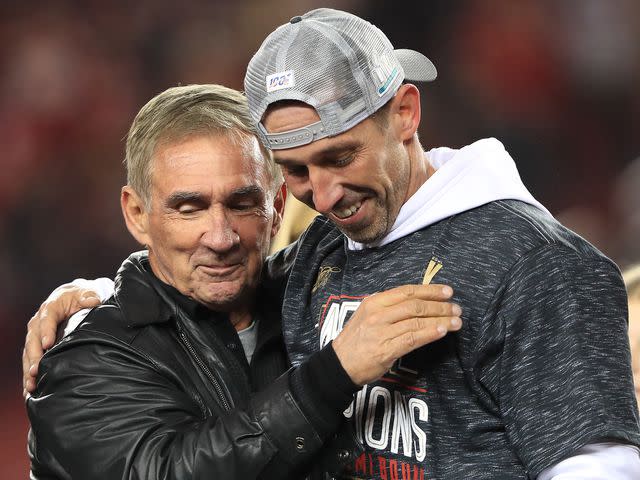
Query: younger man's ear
x: 135, y: 214
x: 405, y: 111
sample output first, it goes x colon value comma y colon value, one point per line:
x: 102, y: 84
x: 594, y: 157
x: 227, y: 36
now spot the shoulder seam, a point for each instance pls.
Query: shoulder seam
x: 519, y: 215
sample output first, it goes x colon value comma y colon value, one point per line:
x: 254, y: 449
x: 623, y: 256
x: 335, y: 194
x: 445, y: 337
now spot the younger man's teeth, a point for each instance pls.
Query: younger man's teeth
x: 347, y: 212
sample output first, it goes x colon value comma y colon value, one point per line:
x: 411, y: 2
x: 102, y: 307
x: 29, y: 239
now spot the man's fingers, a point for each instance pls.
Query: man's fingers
x: 25, y: 370
x: 403, y: 293
x: 415, y: 333
x: 66, y: 303
x: 30, y: 386
x: 89, y: 299
x: 33, y: 339
x: 47, y: 326
x: 411, y: 308
x: 416, y: 308
x: 63, y: 302
x: 33, y: 350
x: 432, y: 325
x: 367, y: 350
x: 29, y: 372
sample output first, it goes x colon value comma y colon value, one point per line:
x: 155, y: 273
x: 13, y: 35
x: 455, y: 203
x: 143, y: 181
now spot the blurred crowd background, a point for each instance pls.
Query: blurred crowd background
x: 557, y: 81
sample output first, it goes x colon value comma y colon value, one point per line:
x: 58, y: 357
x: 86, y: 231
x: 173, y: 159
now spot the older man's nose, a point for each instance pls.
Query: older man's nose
x: 220, y: 234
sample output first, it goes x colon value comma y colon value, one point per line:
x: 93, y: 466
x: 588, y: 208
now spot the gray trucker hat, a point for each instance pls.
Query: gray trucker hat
x: 340, y: 64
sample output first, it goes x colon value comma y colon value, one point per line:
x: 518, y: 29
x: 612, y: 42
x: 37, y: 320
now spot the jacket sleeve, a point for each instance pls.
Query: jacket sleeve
x: 114, y: 415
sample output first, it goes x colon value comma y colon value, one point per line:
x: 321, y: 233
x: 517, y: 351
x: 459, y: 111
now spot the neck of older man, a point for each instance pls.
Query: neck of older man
x: 240, y: 320
x: 239, y: 310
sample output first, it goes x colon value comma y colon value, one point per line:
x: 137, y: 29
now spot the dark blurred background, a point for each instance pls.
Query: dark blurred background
x: 556, y: 81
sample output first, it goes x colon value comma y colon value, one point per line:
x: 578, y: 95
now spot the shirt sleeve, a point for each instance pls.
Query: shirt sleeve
x: 565, y: 374
x: 103, y: 287
x: 599, y: 461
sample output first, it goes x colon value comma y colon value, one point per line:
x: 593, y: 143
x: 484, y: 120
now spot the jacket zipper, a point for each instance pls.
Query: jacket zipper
x: 205, y: 369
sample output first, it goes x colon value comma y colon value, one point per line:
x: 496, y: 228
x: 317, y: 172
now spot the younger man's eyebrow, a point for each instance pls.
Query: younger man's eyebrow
x: 346, y: 146
x: 338, y: 149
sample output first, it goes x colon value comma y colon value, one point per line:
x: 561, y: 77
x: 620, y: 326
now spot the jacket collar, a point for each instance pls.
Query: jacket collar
x: 140, y: 294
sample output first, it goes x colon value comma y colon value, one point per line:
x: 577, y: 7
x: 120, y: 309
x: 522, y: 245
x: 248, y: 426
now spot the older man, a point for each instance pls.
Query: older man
x: 162, y: 380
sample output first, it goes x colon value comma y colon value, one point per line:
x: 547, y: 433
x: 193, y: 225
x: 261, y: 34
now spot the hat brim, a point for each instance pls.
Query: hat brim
x: 417, y: 67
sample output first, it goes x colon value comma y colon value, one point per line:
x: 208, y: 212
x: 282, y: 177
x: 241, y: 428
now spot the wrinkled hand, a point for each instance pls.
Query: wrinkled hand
x: 63, y: 302
x: 390, y: 324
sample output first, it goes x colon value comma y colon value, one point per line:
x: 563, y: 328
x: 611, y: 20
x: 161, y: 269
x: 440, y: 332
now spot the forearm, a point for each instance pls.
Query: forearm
x: 323, y: 389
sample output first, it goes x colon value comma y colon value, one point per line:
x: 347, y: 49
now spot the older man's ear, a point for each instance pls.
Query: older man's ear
x: 135, y: 214
x: 278, y: 209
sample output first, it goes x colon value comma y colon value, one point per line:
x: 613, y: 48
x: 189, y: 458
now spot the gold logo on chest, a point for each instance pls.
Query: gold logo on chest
x: 323, y: 277
x: 433, y: 267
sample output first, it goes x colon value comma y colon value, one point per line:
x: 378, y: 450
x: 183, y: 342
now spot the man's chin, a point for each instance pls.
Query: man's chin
x: 224, y: 296
x: 366, y: 235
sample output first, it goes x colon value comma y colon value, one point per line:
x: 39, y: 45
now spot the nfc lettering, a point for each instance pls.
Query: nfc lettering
x: 382, y: 418
x: 334, y: 320
x: 383, y: 394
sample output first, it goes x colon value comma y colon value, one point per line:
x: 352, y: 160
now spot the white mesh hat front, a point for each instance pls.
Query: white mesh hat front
x: 340, y: 64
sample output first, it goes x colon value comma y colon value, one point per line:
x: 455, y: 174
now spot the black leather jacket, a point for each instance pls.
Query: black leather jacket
x: 141, y: 391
